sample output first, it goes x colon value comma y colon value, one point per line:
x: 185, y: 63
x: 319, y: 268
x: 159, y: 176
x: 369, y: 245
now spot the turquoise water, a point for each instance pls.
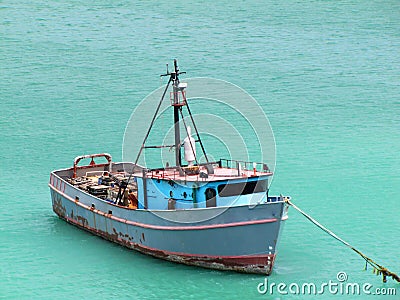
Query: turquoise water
x: 327, y: 74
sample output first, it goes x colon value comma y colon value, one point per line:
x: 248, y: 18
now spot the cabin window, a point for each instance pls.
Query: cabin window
x: 242, y: 188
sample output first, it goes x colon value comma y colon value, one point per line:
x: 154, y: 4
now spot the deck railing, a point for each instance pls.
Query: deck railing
x: 244, y: 165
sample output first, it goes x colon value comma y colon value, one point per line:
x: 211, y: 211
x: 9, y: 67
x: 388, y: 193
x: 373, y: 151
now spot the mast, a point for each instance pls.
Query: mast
x: 177, y: 107
x: 178, y: 91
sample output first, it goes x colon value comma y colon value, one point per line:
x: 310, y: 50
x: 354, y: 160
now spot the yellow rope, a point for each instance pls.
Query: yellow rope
x: 379, y: 269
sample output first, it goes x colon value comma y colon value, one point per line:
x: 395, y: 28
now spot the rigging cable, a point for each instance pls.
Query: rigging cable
x: 197, y: 132
x: 124, y: 186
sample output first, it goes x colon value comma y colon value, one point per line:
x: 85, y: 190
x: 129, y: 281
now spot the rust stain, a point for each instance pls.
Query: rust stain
x: 244, y: 264
x: 58, y: 208
x: 83, y: 220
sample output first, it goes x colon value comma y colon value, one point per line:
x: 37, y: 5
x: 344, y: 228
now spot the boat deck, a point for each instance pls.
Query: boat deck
x: 106, y: 186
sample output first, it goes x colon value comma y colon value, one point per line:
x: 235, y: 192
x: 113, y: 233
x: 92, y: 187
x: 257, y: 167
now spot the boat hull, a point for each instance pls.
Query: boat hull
x: 240, y: 238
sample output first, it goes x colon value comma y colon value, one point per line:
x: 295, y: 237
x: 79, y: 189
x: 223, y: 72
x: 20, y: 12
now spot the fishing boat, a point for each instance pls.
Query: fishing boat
x: 212, y: 214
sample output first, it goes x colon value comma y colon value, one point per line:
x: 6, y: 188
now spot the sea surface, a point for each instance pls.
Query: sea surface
x: 326, y: 73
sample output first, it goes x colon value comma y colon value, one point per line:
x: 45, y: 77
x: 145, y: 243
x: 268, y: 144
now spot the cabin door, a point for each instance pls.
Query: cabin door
x: 211, y: 197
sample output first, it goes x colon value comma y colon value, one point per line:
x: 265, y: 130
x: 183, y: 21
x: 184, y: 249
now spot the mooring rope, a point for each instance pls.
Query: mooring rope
x: 378, y: 269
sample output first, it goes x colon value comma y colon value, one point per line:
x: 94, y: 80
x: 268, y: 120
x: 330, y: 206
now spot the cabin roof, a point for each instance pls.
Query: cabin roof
x: 220, y: 173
